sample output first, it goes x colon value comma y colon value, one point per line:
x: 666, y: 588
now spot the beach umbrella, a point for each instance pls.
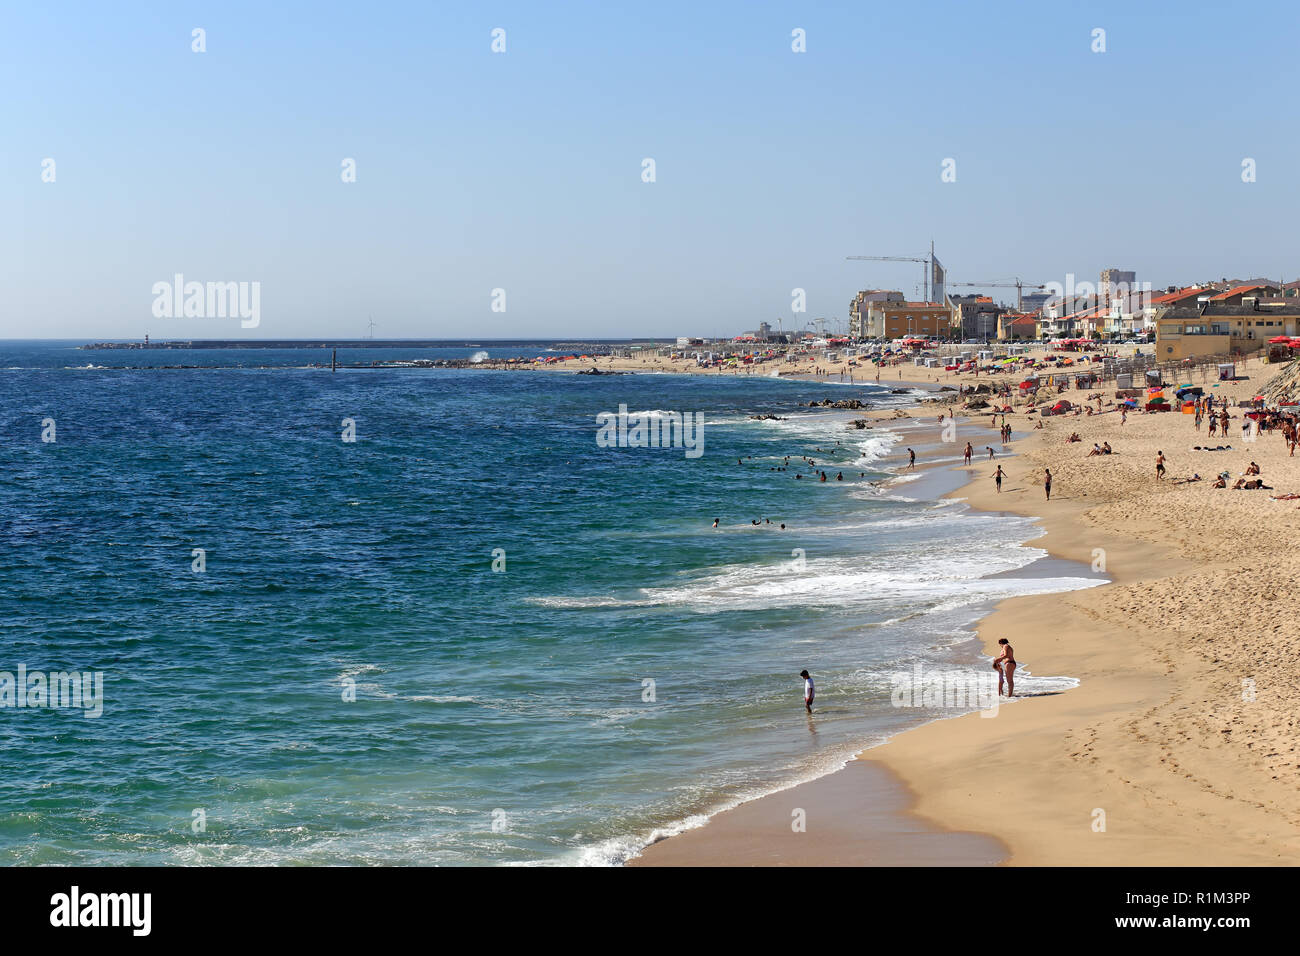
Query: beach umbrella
x: 1277, y: 339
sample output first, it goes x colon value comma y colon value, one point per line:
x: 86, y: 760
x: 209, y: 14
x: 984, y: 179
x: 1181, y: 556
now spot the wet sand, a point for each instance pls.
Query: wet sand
x: 858, y: 816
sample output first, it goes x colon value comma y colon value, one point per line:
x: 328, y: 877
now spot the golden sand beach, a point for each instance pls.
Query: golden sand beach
x: 1179, y: 746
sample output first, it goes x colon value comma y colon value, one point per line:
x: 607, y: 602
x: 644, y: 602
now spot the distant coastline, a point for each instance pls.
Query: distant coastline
x: 557, y: 344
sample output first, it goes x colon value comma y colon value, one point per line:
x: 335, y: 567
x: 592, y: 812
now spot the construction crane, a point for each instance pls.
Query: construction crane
x: 1018, y: 285
x: 925, y: 264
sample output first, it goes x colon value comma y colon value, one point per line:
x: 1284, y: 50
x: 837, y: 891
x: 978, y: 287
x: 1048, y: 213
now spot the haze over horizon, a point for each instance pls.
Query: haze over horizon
x: 522, y: 170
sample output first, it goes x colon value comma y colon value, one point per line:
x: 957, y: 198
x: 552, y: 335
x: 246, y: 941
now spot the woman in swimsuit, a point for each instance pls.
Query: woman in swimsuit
x: 1006, y: 668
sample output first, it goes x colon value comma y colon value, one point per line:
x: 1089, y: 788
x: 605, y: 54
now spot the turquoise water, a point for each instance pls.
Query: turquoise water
x: 499, y: 717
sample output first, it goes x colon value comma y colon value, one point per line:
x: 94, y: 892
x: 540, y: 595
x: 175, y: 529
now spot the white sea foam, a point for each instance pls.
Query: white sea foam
x: 938, y: 581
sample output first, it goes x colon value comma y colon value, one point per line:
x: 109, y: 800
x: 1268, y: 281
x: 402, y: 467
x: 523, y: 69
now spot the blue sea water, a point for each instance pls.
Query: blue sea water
x: 500, y: 716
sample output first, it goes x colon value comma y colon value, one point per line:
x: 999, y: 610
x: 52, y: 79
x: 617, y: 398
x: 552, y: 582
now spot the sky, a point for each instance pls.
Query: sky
x: 523, y: 170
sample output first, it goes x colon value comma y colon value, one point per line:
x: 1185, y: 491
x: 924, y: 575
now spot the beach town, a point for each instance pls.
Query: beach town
x: 1176, y: 479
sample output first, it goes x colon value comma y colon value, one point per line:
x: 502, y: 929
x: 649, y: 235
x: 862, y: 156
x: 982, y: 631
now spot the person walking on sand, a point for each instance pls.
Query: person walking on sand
x: 809, y: 691
x: 997, y: 478
x: 1047, y: 483
x: 1160, y: 465
x: 969, y: 451
x: 1005, y: 665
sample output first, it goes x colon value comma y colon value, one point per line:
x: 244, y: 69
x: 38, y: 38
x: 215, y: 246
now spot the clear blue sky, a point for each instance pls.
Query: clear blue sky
x: 522, y: 170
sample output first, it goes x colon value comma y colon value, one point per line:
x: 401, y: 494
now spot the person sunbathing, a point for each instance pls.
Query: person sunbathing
x: 1254, y: 484
x: 1106, y: 449
x: 1253, y: 469
x: 1096, y: 450
x: 1220, y: 482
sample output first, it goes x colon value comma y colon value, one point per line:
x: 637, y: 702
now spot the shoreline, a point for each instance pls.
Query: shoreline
x: 1158, y: 756
x: 866, y: 812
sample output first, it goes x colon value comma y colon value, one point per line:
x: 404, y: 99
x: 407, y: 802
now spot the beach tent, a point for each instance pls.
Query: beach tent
x: 1227, y: 372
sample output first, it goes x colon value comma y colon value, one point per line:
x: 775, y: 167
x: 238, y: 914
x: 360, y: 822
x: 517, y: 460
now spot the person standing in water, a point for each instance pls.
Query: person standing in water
x: 1006, y: 668
x: 809, y: 691
x: 911, y: 458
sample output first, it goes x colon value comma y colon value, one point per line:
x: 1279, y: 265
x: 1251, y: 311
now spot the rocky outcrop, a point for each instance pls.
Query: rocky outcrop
x: 1285, y: 385
x: 842, y: 403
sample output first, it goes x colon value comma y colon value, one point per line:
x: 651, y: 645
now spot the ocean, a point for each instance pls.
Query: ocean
x: 471, y: 635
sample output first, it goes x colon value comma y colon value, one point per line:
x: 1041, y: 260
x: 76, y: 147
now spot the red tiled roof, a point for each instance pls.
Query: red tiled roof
x: 1239, y: 290
x: 1177, y: 296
